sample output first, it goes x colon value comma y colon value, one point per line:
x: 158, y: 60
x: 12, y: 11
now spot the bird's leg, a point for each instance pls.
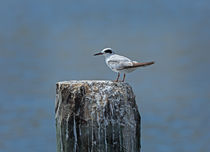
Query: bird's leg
x: 123, y: 78
x: 118, y: 76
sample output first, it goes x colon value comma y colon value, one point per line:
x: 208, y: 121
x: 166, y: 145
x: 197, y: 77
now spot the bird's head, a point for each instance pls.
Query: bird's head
x: 105, y: 52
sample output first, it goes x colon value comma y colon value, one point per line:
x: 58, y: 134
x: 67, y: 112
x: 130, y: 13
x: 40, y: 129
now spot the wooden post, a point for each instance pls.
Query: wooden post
x: 96, y: 116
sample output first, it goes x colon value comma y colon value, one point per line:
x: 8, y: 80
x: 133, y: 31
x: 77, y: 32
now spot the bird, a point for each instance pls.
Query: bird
x: 120, y: 64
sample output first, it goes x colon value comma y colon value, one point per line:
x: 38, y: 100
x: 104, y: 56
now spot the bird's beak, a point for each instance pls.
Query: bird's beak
x: 98, y: 54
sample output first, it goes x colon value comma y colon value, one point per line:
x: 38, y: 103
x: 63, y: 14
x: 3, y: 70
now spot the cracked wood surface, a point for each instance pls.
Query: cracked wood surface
x: 96, y: 116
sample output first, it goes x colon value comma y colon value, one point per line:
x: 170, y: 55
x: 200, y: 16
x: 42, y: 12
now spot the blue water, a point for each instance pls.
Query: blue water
x: 42, y: 42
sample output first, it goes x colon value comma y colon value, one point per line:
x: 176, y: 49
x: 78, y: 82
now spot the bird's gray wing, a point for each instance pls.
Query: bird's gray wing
x: 119, y: 64
x: 113, y: 64
x: 137, y: 64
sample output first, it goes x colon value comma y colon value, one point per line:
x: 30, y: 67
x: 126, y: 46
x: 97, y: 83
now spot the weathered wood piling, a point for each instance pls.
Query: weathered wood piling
x: 96, y: 116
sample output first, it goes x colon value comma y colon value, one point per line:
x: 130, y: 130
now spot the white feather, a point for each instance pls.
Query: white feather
x: 117, y: 62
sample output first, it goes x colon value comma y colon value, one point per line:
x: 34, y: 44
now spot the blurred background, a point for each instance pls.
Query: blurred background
x: 46, y: 41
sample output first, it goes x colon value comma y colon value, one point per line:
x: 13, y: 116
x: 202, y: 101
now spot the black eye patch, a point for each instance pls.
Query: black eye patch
x: 108, y: 51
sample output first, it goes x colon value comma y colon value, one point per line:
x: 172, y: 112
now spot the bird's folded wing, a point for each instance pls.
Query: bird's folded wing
x: 118, y: 64
x: 113, y: 62
x: 136, y: 64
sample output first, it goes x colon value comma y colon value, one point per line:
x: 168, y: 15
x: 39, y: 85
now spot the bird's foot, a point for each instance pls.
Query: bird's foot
x: 121, y: 81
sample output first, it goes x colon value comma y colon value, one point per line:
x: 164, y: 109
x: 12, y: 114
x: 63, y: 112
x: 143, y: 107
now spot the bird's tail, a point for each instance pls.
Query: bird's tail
x: 136, y: 64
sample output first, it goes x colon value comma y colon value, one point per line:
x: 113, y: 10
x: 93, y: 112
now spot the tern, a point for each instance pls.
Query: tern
x: 120, y: 64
